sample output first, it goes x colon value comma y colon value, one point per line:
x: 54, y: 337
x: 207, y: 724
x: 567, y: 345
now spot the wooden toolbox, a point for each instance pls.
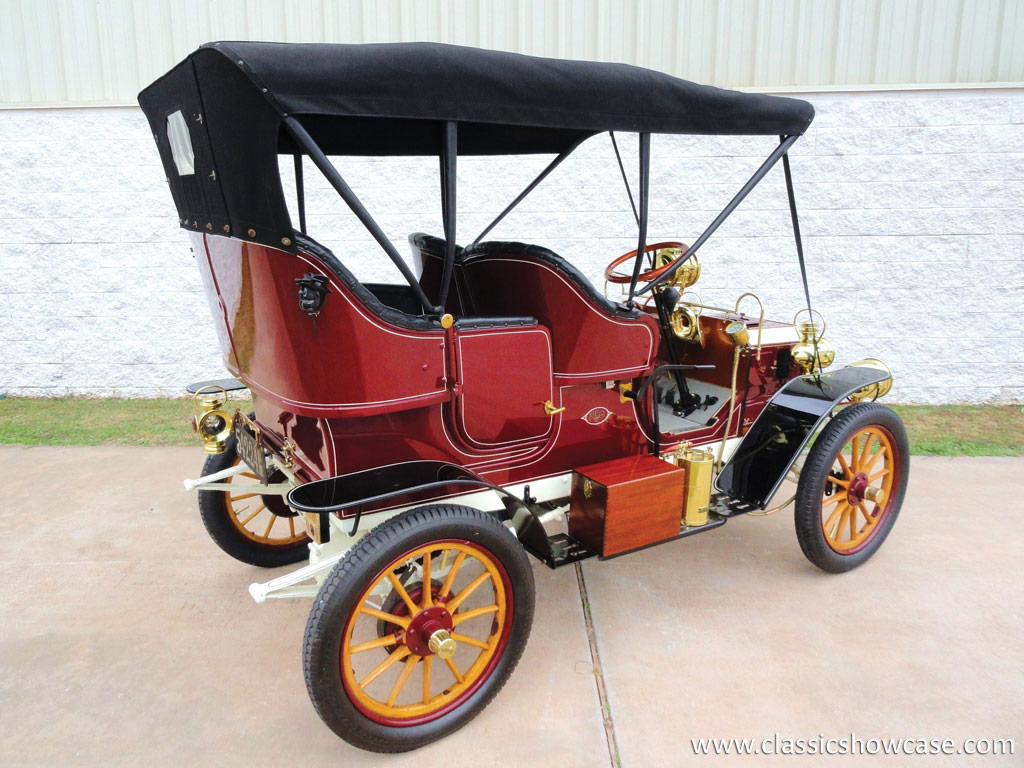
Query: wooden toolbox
x: 626, y: 503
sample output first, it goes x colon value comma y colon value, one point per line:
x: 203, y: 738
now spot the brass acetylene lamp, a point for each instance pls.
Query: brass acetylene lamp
x: 813, y: 352
x: 686, y: 274
x: 212, y: 423
x: 879, y: 388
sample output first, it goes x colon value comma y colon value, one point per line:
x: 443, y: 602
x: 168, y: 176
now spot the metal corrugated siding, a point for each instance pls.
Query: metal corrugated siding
x: 56, y: 52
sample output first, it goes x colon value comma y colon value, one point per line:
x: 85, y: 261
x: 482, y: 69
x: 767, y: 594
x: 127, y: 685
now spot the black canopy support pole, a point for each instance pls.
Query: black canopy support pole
x: 449, y: 156
x: 300, y: 192
x: 330, y: 173
x: 532, y: 186
x: 766, y: 166
x: 644, y: 194
x: 796, y: 236
x: 625, y: 180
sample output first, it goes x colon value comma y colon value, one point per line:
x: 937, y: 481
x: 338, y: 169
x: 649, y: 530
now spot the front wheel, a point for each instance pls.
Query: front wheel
x: 418, y: 627
x: 852, y: 486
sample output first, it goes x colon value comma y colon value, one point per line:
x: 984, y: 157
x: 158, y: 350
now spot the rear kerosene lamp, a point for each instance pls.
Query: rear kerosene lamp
x: 212, y: 423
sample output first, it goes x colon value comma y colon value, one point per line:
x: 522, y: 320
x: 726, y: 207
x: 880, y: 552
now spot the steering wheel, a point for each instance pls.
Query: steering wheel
x: 645, y: 277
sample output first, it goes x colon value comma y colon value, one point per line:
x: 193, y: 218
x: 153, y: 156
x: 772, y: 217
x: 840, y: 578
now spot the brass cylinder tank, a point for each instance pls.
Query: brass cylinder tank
x: 699, y: 466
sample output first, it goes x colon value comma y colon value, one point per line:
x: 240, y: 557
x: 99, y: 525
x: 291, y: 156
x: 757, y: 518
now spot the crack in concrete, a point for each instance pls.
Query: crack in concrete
x: 602, y: 688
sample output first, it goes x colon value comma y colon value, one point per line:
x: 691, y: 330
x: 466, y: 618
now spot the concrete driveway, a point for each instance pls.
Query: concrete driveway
x: 128, y: 638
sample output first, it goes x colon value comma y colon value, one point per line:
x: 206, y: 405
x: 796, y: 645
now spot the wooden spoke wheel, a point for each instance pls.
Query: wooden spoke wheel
x: 418, y: 627
x: 852, y: 486
x: 255, y: 528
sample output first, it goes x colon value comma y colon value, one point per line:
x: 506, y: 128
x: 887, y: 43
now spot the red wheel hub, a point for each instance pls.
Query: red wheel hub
x: 859, y: 484
x: 423, y: 625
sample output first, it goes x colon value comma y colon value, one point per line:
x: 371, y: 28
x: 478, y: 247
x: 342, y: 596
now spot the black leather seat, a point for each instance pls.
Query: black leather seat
x: 433, y: 246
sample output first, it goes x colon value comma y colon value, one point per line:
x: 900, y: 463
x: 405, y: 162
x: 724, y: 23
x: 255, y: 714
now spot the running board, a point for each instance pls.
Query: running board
x: 714, y: 521
x: 562, y: 549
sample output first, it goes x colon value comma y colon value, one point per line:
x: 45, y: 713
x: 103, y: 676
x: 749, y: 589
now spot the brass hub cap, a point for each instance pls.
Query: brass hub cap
x: 855, y: 496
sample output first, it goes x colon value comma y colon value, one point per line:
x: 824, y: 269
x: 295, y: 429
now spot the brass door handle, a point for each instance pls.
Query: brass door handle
x: 550, y: 410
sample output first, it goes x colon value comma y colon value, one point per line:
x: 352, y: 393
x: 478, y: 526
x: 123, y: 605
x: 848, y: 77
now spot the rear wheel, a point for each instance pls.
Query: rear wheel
x: 255, y: 528
x: 418, y: 627
x: 852, y: 486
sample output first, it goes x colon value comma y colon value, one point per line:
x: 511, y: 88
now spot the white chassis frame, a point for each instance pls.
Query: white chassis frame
x: 306, y: 581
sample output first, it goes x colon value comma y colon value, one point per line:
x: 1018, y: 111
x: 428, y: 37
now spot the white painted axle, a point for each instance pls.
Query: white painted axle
x: 224, y: 474
x: 290, y: 585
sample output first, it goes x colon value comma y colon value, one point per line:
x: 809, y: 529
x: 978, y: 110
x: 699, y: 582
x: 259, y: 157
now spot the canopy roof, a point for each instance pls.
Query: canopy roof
x: 389, y: 99
x: 431, y: 81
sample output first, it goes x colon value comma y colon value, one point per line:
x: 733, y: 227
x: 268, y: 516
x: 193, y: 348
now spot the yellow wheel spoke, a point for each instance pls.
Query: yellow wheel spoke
x: 854, y: 454
x: 461, y: 597
x: 469, y: 641
x: 874, y: 477
x: 832, y: 523
x: 455, y: 670
x: 380, y: 642
x: 401, y: 621
x: 467, y: 615
x: 447, y: 586
x: 291, y: 525
x: 869, y: 440
x: 410, y: 665
x: 273, y: 519
x: 427, y: 661
x: 837, y: 496
x: 400, y: 590
x: 867, y: 515
x: 396, y: 656
x: 242, y: 497
x: 846, y: 467
x: 853, y: 523
x: 840, y: 483
x: 259, y: 509
x: 833, y: 531
x: 427, y: 602
x: 871, y: 463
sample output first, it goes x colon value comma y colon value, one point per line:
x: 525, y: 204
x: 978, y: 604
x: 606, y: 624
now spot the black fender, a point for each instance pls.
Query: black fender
x: 230, y: 384
x: 412, y: 481
x: 760, y: 462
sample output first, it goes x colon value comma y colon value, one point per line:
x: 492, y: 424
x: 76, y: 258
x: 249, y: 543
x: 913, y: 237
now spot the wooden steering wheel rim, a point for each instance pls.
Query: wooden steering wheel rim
x: 644, y: 277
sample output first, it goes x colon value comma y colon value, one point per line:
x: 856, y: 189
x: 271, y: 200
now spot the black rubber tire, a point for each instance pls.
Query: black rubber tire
x: 354, y: 573
x: 817, y: 469
x: 213, y: 509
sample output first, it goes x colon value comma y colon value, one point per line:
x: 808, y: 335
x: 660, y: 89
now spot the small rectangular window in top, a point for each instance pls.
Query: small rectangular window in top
x: 181, y: 144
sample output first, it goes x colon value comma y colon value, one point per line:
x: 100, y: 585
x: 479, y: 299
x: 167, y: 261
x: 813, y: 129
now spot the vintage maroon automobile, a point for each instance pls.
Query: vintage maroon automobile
x: 415, y: 441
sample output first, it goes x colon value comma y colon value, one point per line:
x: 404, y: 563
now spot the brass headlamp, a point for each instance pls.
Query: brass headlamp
x: 879, y: 388
x: 813, y: 352
x: 686, y: 274
x: 213, y: 423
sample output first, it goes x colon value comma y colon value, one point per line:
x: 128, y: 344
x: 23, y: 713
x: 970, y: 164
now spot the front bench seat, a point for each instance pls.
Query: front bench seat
x: 594, y: 339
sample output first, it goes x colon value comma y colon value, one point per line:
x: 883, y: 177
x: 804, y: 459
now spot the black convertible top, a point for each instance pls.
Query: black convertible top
x: 448, y: 82
x: 391, y: 98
